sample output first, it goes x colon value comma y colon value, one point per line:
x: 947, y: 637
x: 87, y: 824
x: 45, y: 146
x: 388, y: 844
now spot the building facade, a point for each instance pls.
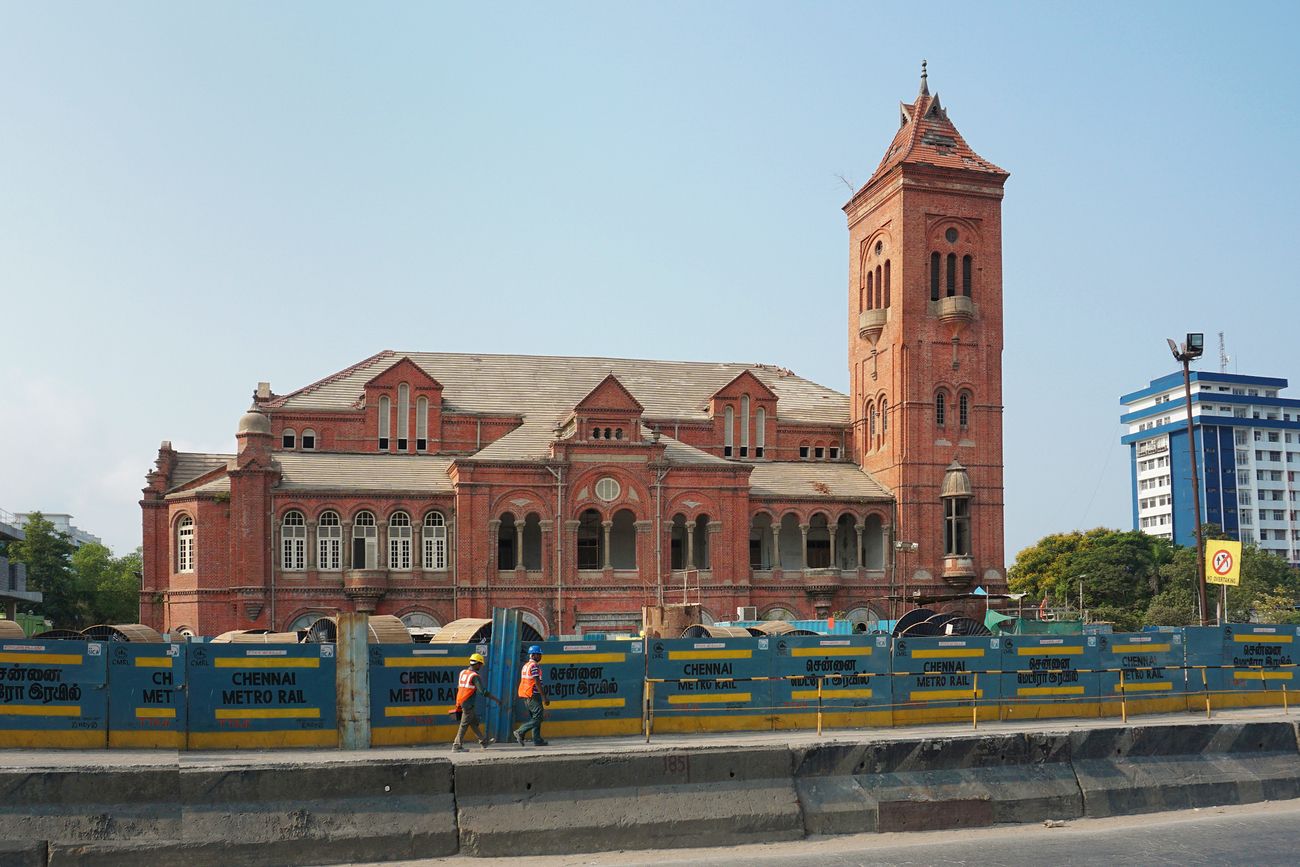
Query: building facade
x: 437, y: 485
x: 1246, y: 442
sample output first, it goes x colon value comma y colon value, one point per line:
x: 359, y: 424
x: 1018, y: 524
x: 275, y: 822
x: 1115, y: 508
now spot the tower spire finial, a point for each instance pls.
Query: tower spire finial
x: 925, y: 87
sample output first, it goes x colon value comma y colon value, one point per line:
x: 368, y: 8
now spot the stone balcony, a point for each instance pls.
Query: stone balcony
x: 958, y: 571
x: 366, y: 582
x: 822, y: 580
x: 872, y: 322
x: 954, y: 308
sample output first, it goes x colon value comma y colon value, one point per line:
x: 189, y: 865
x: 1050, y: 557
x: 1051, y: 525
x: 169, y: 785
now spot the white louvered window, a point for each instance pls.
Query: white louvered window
x: 744, y: 426
x: 399, y: 542
x: 309, y: 439
x: 435, y: 541
x: 422, y: 424
x: 760, y: 432
x: 728, y: 432
x: 329, y: 543
x: 385, y: 407
x: 365, y: 542
x: 293, y: 542
x: 185, y: 544
x: 288, y: 439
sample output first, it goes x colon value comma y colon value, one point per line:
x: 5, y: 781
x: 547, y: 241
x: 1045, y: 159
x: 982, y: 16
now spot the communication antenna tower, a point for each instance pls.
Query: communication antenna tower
x: 1223, y: 356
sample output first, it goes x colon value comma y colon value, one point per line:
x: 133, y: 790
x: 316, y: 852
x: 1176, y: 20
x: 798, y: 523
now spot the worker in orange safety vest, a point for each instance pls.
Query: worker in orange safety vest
x: 467, y: 688
x: 533, y: 692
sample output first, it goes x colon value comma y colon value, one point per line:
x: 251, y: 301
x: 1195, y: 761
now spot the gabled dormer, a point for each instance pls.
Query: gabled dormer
x: 609, y: 413
x: 744, y: 417
x: 403, y: 410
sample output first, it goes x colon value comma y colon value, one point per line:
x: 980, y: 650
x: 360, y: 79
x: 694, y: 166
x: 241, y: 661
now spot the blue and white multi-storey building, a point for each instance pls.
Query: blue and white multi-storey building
x: 1247, y: 447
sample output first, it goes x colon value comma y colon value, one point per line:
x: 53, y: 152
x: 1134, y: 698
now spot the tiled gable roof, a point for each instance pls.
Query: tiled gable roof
x: 813, y: 480
x: 546, y: 388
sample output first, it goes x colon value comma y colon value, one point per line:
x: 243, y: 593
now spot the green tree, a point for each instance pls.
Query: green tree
x: 47, y: 554
x: 1265, y: 578
x: 110, y: 583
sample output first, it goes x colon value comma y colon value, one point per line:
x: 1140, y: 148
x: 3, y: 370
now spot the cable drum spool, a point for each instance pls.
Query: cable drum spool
x: 384, y: 629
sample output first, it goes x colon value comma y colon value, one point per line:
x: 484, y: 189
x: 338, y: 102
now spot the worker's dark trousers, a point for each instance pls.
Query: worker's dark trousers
x: 536, y: 713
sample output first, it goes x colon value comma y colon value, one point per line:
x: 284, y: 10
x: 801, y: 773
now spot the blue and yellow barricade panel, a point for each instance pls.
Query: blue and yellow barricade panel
x: 1203, y: 659
x: 709, y: 684
x: 846, y: 675
x: 946, y: 678
x: 53, y: 694
x: 1142, y: 672
x: 595, y: 687
x: 1259, y: 662
x: 146, y: 695
x: 256, y: 696
x: 1050, y: 676
x: 413, y: 691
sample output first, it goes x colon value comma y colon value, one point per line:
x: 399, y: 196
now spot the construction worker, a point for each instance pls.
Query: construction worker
x: 533, y: 693
x: 467, y: 688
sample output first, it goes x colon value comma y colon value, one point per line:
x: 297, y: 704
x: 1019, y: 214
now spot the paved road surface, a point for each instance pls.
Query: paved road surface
x: 1259, y: 835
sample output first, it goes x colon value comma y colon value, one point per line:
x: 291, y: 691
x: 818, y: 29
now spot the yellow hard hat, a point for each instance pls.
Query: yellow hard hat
x: 477, y: 657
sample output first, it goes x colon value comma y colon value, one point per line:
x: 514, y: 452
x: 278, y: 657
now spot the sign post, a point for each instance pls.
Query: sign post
x: 1223, y: 567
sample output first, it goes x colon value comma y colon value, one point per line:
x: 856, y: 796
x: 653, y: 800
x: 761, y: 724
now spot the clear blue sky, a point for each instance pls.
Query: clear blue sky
x: 193, y: 199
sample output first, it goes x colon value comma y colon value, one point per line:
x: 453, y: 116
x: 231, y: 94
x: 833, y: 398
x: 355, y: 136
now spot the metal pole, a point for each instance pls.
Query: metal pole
x: 1196, y: 492
x: 1123, y: 701
x: 975, y: 702
x: 352, y: 680
x: 819, y: 706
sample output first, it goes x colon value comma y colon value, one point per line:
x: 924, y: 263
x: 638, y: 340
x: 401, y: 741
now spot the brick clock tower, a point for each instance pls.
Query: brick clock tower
x: 925, y: 349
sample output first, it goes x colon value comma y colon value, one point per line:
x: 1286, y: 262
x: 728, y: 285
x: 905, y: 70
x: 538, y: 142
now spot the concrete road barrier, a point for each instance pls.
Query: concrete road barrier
x: 1150, y: 768
x: 933, y: 783
x: 566, y: 804
x: 98, y: 804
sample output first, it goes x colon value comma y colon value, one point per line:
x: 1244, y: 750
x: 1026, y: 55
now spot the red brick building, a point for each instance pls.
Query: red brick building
x: 435, y: 485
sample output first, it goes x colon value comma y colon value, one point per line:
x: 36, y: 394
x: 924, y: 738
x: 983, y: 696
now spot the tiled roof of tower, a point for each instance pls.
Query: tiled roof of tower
x: 545, y: 388
x: 927, y: 137
x: 191, y: 465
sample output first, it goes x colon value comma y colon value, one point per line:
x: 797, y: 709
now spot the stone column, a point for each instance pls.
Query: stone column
x: 311, y: 545
x: 803, y: 531
x: 519, y: 547
x: 346, y: 543
x: 861, y: 563
x: 381, y: 545
x: 605, y: 528
x: 832, y: 530
x: 689, y: 562
x: 776, y: 547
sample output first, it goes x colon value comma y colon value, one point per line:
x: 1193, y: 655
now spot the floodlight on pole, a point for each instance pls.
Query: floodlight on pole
x: 1194, y: 347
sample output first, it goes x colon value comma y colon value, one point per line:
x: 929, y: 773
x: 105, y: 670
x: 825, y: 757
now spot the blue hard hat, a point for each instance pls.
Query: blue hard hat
x: 536, y: 648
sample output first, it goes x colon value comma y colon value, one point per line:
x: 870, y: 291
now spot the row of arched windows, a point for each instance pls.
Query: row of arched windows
x: 736, y: 437
x: 403, y: 421
x: 942, y: 404
x: 943, y: 280
x: 873, y: 293
x: 364, y: 551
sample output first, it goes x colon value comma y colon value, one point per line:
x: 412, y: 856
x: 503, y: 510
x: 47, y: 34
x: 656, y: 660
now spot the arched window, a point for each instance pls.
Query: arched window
x: 293, y: 542
x: 871, y: 424
x: 384, y: 408
x: 185, y: 544
x: 956, y: 526
x: 744, y: 426
x: 760, y: 432
x: 886, y: 282
x: 507, y: 542
x: 728, y: 432
x: 329, y: 543
x: 435, y: 542
x: 399, y: 542
x: 622, y: 540
x: 952, y: 274
x: 965, y: 275
x: 288, y: 439
x: 309, y: 439
x: 963, y: 409
x: 591, y: 540
x: 884, y: 418
x: 365, y: 542
x: 403, y: 415
x: 422, y: 424
x: 871, y: 290
x: 934, y: 276
x: 879, y: 284
x: 701, y: 546
x: 940, y: 408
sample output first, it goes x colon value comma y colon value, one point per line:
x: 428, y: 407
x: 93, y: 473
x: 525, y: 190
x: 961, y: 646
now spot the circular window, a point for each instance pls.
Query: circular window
x: 880, y: 246
x: 608, y: 489
x: 951, y: 235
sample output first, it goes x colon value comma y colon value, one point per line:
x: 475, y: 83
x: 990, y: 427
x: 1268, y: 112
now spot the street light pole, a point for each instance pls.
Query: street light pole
x: 1193, y: 348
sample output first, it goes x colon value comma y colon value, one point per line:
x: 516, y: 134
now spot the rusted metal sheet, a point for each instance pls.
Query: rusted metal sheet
x: 123, y: 632
x: 467, y: 630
